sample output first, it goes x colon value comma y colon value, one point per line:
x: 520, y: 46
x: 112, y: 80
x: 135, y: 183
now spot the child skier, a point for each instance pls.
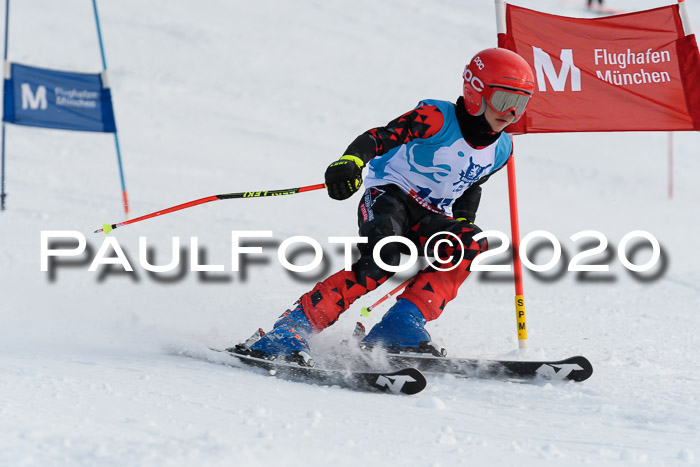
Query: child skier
x: 425, y: 171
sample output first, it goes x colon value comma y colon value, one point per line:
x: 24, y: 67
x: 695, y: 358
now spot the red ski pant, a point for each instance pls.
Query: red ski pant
x: 383, y: 212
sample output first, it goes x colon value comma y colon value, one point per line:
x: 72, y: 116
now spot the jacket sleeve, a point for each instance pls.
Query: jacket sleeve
x: 421, y: 122
x: 465, y: 206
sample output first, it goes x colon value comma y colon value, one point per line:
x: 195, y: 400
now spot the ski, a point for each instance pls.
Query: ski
x: 396, y: 381
x: 576, y: 368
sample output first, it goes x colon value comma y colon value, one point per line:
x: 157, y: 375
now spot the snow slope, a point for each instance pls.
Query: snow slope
x: 227, y: 96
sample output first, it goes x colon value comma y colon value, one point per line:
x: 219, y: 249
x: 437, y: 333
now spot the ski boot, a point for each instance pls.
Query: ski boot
x: 286, y: 340
x: 402, y: 329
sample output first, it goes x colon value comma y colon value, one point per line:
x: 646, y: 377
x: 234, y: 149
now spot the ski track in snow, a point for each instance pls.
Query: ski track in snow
x: 224, y: 97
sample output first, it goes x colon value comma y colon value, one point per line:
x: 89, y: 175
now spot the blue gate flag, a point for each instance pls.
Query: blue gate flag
x: 57, y: 99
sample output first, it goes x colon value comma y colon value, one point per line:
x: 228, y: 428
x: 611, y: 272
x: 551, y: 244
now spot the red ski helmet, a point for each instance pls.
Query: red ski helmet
x: 500, y: 78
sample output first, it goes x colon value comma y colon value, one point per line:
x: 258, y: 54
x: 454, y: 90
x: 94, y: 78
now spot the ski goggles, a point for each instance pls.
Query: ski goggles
x: 503, y: 99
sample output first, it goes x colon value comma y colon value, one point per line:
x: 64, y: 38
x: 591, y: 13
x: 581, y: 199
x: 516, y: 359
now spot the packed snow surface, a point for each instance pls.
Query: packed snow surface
x: 229, y: 96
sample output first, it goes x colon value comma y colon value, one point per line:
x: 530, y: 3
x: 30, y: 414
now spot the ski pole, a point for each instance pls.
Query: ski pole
x: 107, y: 228
x: 366, y: 310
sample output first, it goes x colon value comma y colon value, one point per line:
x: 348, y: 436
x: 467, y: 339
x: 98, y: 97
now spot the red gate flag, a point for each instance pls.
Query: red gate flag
x: 631, y: 72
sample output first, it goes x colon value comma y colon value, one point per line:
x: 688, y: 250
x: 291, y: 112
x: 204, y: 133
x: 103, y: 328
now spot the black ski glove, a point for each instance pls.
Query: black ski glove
x: 344, y: 177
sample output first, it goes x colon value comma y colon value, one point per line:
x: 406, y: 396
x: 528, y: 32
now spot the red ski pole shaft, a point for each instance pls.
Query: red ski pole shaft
x: 365, y: 311
x: 107, y: 228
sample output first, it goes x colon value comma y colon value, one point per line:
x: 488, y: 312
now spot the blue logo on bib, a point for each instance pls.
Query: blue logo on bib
x: 472, y: 173
x: 420, y: 159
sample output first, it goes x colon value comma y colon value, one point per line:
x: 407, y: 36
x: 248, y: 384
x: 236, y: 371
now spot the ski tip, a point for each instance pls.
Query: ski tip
x: 106, y: 228
x: 576, y: 369
x: 584, y: 371
x: 365, y: 311
x: 407, y: 381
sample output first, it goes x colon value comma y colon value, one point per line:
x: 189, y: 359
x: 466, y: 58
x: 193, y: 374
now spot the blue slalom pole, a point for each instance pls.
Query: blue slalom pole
x: 2, y: 163
x: 116, y: 138
x: 2, y: 170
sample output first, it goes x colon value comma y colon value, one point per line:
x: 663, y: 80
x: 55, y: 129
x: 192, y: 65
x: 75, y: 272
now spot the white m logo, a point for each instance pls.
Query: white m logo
x: 544, y: 67
x: 33, y: 101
